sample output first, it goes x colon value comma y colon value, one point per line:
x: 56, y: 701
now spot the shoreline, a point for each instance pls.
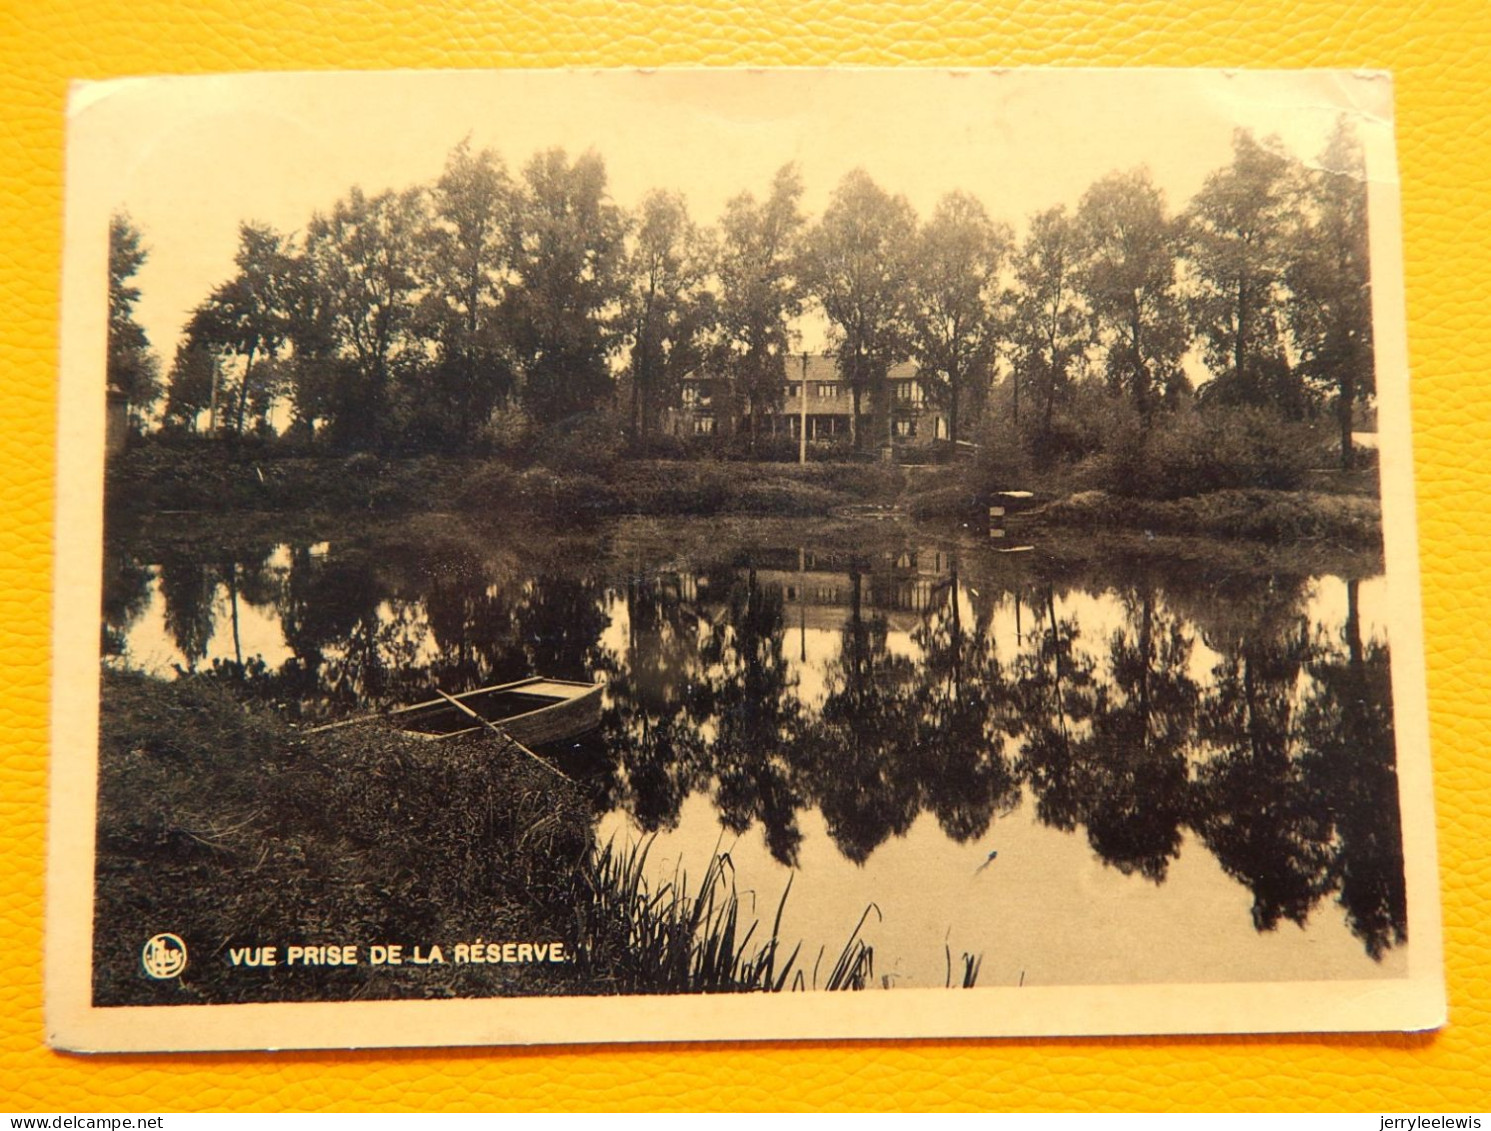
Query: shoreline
x: 155, y: 485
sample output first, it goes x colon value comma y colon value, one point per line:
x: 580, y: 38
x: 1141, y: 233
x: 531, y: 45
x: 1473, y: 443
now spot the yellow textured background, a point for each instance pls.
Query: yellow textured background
x: 1440, y: 54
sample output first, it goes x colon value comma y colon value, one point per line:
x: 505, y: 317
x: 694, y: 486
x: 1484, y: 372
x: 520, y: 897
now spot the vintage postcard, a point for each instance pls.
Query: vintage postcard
x: 625, y: 556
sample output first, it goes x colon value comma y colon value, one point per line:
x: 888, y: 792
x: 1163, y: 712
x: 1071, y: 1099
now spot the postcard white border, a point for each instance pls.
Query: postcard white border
x: 1415, y: 1002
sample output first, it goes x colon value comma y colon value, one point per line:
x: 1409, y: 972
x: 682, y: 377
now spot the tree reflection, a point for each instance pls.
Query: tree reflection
x: 1135, y: 779
x: 1253, y: 809
x: 1058, y: 695
x: 188, y: 590
x: 756, y: 716
x: 855, y: 753
x: 966, y: 709
x: 1346, y: 727
x: 1282, y: 764
x: 126, y: 595
x: 658, y: 700
x: 332, y: 625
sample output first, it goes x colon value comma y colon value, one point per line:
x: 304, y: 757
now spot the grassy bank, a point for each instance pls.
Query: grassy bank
x: 208, y: 479
x: 224, y: 826
x: 1281, y: 517
x: 221, y: 824
x: 1331, y: 510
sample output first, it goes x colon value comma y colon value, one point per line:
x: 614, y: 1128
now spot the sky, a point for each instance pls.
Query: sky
x: 189, y: 158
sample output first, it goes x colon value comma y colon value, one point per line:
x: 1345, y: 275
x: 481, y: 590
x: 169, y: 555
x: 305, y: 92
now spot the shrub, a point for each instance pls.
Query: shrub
x: 1001, y: 462
x: 575, y: 495
x: 586, y: 444
x: 1079, y: 427
x: 1180, y: 454
x: 660, y: 445
x: 492, y: 486
x: 509, y: 432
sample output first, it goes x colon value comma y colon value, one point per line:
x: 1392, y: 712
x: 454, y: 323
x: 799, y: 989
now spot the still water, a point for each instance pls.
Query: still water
x: 1077, y: 769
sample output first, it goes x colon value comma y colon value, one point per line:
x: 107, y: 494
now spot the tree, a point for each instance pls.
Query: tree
x: 315, y: 374
x: 246, y: 316
x: 1330, y: 277
x: 759, y: 292
x: 132, y: 368
x: 1128, y: 280
x: 567, y: 242
x: 1237, y: 236
x: 192, y: 384
x: 364, y: 254
x: 954, y: 307
x: 857, y: 265
x: 464, y: 273
x: 1049, y: 322
x: 669, y: 310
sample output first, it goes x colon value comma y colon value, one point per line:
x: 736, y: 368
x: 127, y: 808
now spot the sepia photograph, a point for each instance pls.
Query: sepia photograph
x: 605, y: 556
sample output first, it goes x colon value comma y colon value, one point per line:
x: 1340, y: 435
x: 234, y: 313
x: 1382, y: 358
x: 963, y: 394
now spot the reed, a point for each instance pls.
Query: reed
x: 673, y: 937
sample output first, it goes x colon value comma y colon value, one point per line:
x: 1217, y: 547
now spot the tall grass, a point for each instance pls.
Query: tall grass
x: 670, y: 937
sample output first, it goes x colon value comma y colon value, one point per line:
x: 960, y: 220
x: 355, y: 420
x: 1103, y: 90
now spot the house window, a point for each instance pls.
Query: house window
x: 910, y: 392
x: 826, y: 390
x: 905, y: 428
x: 704, y: 426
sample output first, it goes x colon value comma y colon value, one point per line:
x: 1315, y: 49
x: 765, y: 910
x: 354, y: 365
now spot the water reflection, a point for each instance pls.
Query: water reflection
x: 1141, y: 708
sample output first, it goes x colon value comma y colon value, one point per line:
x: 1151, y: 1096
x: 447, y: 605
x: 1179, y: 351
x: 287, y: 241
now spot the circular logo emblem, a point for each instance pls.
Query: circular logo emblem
x: 164, y: 956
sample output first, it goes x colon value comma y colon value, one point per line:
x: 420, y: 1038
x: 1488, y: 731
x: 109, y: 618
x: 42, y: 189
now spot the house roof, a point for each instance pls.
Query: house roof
x: 821, y: 367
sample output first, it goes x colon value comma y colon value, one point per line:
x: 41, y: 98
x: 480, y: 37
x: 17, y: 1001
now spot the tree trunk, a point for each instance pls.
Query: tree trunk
x: 1237, y: 341
x: 1354, y: 625
x: 1050, y: 404
x: 248, y: 370
x: 1140, y: 373
x: 952, y: 413
x: 1343, y: 411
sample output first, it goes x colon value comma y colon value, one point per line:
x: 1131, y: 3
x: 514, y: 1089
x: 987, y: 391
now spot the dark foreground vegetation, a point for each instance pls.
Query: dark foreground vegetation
x: 222, y: 824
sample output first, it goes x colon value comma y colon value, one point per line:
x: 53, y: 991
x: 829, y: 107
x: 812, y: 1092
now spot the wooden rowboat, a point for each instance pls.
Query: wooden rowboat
x: 532, y: 712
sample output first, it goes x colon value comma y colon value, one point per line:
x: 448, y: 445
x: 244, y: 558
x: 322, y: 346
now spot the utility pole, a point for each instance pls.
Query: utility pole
x: 802, y: 442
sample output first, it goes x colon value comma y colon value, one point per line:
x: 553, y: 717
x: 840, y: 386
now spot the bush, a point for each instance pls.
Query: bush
x: 575, y: 495
x: 1186, y: 453
x: 490, y: 487
x: 1001, y: 462
x: 587, y: 444
x: 508, y: 432
x: 1278, y: 517
x: 1079, y: 427
x: 660, y: 445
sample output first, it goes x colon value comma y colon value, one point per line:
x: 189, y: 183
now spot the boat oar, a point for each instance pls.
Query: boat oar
x: 502, y: 734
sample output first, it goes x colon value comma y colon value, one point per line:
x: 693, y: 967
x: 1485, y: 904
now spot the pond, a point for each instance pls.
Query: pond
x: 1075, y: 767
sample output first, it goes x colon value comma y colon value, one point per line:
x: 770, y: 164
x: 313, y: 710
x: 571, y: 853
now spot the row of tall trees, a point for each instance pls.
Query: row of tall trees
x: 408, y: 318
x: 1264, y: 274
